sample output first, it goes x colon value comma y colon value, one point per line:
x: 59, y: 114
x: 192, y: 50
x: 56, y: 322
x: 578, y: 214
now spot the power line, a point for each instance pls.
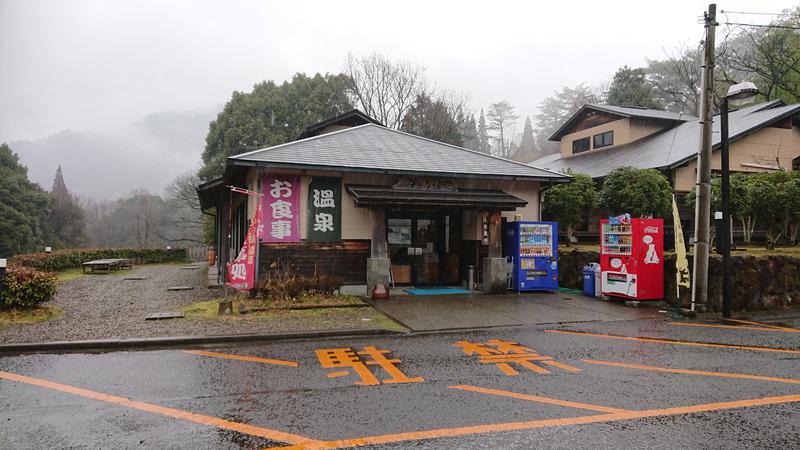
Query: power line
x: 784, y: 27
x: 752, y: 13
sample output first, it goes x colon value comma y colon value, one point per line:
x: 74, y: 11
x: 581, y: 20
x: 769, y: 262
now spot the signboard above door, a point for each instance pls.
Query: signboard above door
x: 415, y: 184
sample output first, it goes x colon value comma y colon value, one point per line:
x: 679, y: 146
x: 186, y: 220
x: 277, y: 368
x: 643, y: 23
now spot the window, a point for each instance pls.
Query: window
x: 603, y: 139
x: 580, y: 145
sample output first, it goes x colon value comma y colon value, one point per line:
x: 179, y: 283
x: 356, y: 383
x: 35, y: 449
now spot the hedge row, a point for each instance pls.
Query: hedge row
x: 25, y: 287
x: 70, y: 258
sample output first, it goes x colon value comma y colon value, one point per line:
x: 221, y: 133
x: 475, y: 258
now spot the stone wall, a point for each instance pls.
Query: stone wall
x: 764, y: 282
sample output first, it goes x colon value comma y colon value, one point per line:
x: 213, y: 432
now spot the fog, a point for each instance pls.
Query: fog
x: 98, y: 67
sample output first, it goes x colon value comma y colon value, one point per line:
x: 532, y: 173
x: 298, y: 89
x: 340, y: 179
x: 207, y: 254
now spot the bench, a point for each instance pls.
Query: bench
x: 107, y: 265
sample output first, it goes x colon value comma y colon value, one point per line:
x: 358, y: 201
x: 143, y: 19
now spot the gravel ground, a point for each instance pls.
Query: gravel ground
x: 107, y: 307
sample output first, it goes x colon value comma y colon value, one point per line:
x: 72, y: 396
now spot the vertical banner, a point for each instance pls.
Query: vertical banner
x: 281, y: 208
x: 242, y: 270
x: 324, y: 210
x: 681, y: 263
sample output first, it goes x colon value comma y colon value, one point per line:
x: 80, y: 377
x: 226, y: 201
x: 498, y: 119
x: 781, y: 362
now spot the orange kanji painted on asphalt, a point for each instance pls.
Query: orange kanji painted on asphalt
x: 667, y: 341
x: 346, y: 357
x: 164, y: 411
x: 692, y: 372
x: 503, y: 353
x: 243, y: 358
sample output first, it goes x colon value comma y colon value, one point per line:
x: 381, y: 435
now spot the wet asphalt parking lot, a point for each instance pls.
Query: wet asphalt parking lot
x: 651, y: 383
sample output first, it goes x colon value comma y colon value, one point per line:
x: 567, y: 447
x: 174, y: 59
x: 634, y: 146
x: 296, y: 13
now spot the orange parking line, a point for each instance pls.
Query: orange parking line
x: 267, y: 433
x: 243, y: 358
x: 735, y: 327
x: 667, y: 341
x: 776, y: 327
x: 538, y: 399
x: 692, y: 372
x: 545, y: 423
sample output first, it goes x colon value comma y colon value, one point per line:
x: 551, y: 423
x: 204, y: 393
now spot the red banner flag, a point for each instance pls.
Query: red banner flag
x: 242, y: 271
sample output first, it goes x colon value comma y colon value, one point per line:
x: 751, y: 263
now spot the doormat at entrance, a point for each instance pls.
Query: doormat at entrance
x: 437, y: 291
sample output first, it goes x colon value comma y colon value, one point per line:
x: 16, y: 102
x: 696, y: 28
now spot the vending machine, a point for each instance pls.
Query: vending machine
x: 532, y: 248
x: 632, y: 258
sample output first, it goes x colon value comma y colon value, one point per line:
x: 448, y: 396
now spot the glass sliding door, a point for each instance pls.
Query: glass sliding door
x: 415, y: 248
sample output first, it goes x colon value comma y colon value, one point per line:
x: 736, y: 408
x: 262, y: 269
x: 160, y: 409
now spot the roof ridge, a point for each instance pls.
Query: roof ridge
x: 473, y: 151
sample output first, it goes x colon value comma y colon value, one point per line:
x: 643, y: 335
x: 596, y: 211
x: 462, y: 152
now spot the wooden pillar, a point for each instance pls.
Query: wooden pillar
x: 495, y: 235
x: 224, y: 227
x: 378, y: 246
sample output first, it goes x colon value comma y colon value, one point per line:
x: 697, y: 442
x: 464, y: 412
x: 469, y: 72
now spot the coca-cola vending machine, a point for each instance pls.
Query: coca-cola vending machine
x: 632, y: 257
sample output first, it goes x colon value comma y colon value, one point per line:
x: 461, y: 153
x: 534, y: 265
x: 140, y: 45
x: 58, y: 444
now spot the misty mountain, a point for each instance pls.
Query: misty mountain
x: 146, y: 154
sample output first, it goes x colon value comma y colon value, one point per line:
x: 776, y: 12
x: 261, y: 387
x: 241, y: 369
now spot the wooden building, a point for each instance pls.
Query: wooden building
x: 357, y: 200
x: 600, y: 138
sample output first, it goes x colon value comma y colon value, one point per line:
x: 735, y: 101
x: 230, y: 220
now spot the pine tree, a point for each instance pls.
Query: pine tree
x: 483, y: 135
x: 65, y: 217
x: 469, y: 133
x: 527, y: 151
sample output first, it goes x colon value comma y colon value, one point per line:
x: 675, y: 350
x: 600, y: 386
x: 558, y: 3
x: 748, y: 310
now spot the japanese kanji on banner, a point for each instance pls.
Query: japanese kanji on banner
x: 242, y: 271
x: 281, y: 208
x: 324, y: 210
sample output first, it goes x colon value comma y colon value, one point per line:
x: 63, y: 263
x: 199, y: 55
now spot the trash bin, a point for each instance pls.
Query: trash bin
x: 472, y: 278
x: 591, y: 283
x: 597, y: 283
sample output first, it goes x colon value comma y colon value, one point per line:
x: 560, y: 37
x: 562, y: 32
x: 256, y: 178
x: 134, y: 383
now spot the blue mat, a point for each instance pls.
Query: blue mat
x: 437, y: 291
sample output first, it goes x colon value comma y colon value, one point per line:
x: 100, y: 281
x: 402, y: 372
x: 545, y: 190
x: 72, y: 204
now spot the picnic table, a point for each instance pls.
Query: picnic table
x: 107, y: 265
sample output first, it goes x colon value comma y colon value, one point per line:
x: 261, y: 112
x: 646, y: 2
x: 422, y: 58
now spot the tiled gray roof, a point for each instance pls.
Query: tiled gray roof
x: 634, y: 111
x: 669, y: 148
x: 373, y: 148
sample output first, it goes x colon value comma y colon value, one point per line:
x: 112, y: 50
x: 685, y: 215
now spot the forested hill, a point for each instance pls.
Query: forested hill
x: 147, y: 154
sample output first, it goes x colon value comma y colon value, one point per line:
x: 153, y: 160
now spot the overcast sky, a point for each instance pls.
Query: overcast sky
x: 96, y: 65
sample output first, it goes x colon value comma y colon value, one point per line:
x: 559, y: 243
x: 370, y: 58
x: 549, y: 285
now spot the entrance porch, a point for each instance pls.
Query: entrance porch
x: 431, y: 235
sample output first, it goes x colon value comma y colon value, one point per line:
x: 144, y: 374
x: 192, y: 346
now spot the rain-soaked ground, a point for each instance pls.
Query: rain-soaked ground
x: 641, y: 383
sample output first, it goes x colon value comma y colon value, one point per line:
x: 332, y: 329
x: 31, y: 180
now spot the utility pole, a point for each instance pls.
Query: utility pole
x: 702, y: 221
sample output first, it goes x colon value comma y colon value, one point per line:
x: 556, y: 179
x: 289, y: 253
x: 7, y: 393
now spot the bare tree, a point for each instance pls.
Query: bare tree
x: 383, y: 89
x: 502, y: 118
x: 185, y: 220
x: 770, y: 57
x: 676, y: 80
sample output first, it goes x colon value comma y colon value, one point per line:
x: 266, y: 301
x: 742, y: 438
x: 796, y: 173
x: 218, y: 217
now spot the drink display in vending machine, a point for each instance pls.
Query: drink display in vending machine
x: 532, y: 248
x: 631, y: 257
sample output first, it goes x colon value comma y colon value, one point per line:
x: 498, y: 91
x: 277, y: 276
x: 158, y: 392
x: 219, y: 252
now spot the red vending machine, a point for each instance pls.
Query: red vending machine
x: 632, y: 258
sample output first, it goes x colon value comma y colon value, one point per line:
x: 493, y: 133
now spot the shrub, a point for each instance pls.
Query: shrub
x: 69, y: 258
x: 26, y: 287
x: 283, y: 283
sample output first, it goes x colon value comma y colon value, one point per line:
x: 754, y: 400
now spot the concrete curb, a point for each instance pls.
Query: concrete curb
x: 140, y: 343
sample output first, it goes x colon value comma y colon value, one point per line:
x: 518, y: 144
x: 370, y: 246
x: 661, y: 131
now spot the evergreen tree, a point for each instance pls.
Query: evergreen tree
x: 270, y: 115
x: 23, y: 208
x: 433, y: 119
x: 483, y: 135
x: 469, y: 133
x: 65, y: 216
x: 630, y: 87
x: 527, y: 151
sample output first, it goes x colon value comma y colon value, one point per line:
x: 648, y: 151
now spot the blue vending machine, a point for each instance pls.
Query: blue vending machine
x: 534, y: 248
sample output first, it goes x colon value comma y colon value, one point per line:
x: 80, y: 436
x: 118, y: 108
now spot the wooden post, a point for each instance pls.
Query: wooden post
x: 495, y: 235
x: 378, y: 246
